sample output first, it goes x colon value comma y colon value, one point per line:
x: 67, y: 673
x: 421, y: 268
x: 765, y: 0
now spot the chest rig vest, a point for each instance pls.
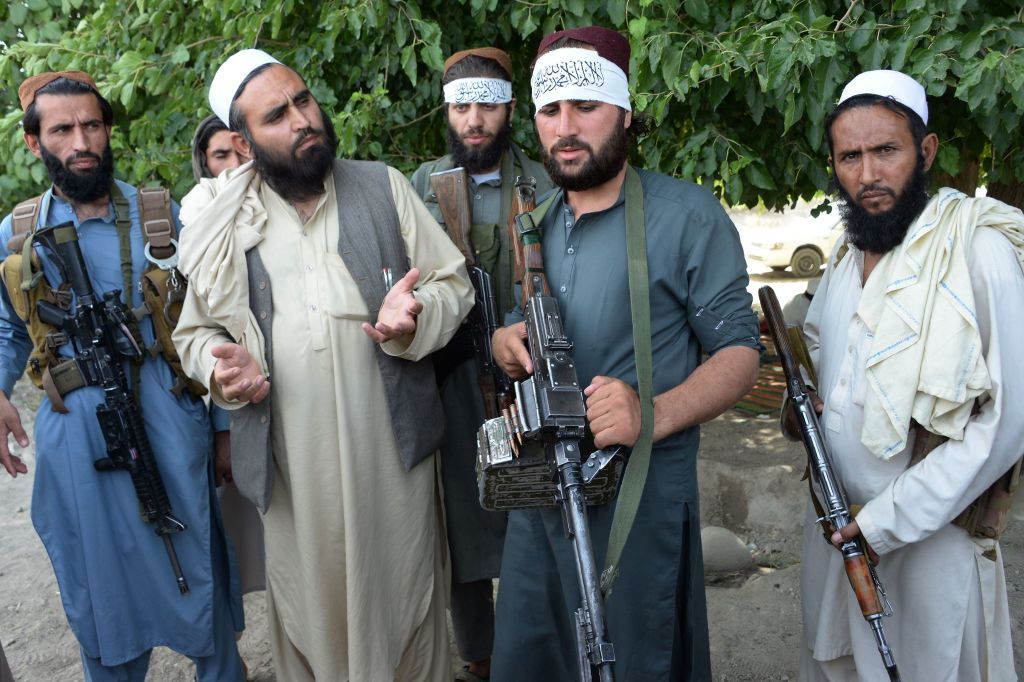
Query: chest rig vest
x: 161, y: 285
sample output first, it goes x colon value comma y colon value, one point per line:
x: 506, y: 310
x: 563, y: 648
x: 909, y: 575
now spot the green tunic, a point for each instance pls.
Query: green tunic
x: 698, y: 295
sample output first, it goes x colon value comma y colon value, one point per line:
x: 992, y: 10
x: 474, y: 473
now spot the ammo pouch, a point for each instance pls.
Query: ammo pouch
x: 162, y: 293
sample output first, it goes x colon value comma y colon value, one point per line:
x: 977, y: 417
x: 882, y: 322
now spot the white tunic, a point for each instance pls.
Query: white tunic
x: 951, y: 618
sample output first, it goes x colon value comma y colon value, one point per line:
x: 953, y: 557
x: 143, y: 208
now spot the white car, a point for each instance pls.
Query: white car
x: 802, y: 244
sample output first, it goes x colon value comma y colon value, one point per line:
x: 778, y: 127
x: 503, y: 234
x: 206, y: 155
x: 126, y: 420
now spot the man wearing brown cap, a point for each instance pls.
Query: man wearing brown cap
x: 478, y: 111
x: 697, y: 303
x: 317, y: 286
x: 116, y: 583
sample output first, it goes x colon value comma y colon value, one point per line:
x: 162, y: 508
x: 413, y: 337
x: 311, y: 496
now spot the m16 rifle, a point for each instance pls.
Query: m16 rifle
x: 99, y: 330
x: 863, y: 578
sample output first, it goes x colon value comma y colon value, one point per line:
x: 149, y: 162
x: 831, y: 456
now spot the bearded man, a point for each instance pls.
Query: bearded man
x: 914, y: 332
x: 335, y: 416
x: 478, y: 109
x: 697, y: 286
x: 118, y: 591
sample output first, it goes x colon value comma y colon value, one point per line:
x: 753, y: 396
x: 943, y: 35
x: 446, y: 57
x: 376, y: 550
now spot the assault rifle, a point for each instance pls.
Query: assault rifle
x: 452, y: 190
x: 863, y: 578
x: 98, y: 329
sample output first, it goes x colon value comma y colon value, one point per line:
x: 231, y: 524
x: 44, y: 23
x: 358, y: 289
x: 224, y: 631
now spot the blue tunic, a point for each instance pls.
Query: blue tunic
x: 115, y: 580
x: 656, y: 614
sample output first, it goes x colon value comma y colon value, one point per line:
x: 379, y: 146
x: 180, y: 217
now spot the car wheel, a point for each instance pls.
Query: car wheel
x: 806, y: 262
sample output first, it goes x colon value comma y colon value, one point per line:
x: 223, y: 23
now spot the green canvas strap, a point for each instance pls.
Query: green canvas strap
x: 635, y: 478
x: 123, y: 221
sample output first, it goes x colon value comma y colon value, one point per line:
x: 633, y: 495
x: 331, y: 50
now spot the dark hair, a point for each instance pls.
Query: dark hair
x: 207, y: 128
x: 236, y: 120
x: 918, y: 129
x: 640, y: 124
x: 475, y: 66
x: 64, y: 86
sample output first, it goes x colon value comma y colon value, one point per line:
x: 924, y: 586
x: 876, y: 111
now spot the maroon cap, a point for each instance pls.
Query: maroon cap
x: 610, y: 44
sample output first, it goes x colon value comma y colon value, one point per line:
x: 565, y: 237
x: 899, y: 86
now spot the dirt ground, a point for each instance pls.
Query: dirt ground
x: 749, y: 480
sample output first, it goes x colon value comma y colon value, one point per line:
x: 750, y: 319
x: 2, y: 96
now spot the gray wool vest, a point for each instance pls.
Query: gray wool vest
x: 369, y: 239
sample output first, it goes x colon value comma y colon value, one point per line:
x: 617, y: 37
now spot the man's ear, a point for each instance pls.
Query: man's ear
x: 929, y: 149
x: 241, y: 145
x: 627, y: 120
x: 511, y: 110
x: 32, y: 142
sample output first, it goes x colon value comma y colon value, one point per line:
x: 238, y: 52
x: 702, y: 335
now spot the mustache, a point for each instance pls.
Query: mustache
x: 875, y: 188
x: 478, y: 131
x: 572, y: 142
x: 78, y: 156
x: 302, y: 135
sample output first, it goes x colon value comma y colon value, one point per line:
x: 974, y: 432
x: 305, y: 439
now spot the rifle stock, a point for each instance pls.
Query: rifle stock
x: 452, y: 190
x: 863, y: 579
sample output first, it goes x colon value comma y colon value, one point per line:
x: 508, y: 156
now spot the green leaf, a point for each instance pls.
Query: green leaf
x: 617, y: 11
x: 638, y: 28
x: 698, y: 9
x: 180, y: 55
x: 38, y: 5
x: 970, y: 45
x: 409, y: 63
x: 759, y: 176
x: 18, y: 13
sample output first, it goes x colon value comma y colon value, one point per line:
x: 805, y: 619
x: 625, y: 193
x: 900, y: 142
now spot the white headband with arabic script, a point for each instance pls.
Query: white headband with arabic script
x: 572, y: 73
x: 482, y: 90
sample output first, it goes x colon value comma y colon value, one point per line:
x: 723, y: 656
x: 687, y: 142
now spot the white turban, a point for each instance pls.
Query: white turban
x: 230, y: 75
x: 572, y: 73
x: 892, y: 84
x: 483, y: 90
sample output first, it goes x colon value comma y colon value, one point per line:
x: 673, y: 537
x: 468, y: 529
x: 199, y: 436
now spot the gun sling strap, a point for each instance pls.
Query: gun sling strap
x: 635, y: 477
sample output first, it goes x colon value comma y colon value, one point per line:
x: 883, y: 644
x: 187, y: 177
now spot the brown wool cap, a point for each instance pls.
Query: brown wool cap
x: 27, y: 91
x: 494, y: 53
x: 610, y: 44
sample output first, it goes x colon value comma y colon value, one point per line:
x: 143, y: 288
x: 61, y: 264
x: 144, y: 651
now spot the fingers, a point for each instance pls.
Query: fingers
x: 508, y: 346
x: 246, y: 390
x: 406, y: 284
x: 847, y: 532
x: 11, y: 463
x: 374, y: 335
x: 231, y: 355
x: 613, y: 412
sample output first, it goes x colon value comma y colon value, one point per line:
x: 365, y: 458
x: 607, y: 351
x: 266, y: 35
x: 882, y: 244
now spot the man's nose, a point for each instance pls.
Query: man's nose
x: 79, y: 140
x: 300, y: 119
x: 567, y: 126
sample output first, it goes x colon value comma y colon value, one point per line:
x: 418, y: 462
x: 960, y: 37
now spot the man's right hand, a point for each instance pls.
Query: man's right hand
x: 238, y: 375
x: 10, y: 423
x: 790, y: 424
x: 508, y: 346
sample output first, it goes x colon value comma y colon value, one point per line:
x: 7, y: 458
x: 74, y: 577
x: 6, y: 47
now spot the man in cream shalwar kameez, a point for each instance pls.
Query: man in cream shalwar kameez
x: 939, y: 312
x: 356, y: 584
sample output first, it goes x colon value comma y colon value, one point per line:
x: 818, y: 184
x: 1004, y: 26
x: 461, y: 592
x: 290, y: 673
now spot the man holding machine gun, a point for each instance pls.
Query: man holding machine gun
x: 118, y: 590
x: 913, y: 331
x: 478, y: 111
x: 697, y: 283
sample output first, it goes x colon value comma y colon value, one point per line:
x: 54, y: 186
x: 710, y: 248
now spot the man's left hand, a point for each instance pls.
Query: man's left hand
x: 397, y: 316
x: 613, y: 410
x: 850, y: 532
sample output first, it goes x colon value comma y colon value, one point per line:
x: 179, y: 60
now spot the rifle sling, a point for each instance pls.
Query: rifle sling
x: 635, y: 477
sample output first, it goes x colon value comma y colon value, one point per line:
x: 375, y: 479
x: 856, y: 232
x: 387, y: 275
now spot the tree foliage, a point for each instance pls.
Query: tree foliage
x: 738, y: 91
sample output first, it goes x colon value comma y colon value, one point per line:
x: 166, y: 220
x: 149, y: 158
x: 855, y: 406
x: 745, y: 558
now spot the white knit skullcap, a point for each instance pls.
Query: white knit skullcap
x: 230, y: 75
x: 892, y: 84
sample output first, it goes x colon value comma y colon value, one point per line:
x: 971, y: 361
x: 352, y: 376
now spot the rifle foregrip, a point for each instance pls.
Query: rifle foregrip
x: 863, y: 586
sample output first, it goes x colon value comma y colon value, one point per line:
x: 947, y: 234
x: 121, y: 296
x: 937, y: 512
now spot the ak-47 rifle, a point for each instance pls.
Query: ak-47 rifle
x: 550, y: 408
x: 863, y: 578
x: 452, y: 190
x: 98, y: 330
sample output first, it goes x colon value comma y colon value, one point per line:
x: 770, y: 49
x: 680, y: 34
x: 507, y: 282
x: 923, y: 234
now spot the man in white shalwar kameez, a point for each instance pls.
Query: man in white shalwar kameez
x: 356, y: 582
x: 917, y: 318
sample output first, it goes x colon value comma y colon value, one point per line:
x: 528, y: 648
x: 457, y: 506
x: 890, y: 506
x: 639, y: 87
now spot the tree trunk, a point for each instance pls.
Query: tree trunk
x: 1011, y: 193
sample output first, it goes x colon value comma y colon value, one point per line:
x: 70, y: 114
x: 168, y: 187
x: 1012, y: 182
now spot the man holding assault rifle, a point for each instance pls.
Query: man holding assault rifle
x: 912, y: 333
x: 688, y: 264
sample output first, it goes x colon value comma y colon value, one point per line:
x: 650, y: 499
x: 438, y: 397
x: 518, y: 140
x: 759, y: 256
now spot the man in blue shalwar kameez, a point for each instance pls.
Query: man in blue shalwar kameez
x: 656, y: 614
x: 115, y: 580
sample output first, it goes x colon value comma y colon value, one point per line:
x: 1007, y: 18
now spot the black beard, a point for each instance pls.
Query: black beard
x: 479, y: 159
x: 602, y: 166
x: 80, y: 188
x: 882, y: 232
x: 294, y: 177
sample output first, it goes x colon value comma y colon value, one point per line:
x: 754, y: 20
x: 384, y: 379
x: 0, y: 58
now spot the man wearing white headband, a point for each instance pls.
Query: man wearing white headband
x: 317, y: 288
x: 914, y: 331
x: 697, y: 282
x: 478, y: 110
